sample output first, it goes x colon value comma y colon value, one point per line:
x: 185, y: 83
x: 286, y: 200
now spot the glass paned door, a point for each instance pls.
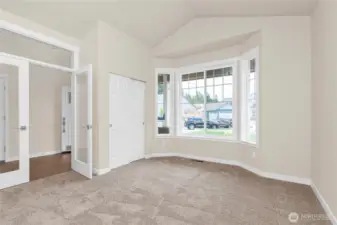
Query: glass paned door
x: 14, y: 131
x: 81, y: 161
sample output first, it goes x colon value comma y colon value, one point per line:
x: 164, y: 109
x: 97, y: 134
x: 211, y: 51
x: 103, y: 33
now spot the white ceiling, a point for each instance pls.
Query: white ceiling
x: 148, y: 20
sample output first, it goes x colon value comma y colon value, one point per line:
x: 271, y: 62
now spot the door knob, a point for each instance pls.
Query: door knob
x: 23, y: 128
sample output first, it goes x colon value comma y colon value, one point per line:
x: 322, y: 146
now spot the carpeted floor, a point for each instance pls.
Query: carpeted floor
x: 167, y: 191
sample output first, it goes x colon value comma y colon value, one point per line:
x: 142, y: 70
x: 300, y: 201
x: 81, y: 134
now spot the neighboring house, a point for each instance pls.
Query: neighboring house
x: 215, y: 111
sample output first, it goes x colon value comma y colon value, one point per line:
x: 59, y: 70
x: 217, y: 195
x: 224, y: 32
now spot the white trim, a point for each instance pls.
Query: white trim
x: 35, y: 155
x: 324, y: 204
x: 36, y: 36
x: 99, y: 172
x: 6, y: 130
x: 37, y: 62
x: 257, y: 171
x: 244, y: 69
x: 207, y: 66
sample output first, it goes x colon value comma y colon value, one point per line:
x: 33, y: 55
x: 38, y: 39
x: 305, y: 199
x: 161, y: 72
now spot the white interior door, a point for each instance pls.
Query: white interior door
x: 18, y: 132
x: 66, y: 124
x: 81, y: 157
x: 126, y: 120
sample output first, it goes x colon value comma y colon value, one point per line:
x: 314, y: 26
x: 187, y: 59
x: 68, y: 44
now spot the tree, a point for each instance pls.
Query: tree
x: 195, y: 100
x: 160, y: 89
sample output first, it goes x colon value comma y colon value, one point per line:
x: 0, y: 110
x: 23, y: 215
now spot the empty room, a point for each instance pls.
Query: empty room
x: 183, y: 112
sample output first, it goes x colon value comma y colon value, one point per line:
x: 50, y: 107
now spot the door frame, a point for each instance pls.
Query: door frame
x: 6, y: 115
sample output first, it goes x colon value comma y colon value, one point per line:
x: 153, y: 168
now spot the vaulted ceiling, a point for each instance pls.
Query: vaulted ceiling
x: 150, y: 21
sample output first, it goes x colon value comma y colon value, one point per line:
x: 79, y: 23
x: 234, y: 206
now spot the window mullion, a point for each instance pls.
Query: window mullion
x: 205, y: 100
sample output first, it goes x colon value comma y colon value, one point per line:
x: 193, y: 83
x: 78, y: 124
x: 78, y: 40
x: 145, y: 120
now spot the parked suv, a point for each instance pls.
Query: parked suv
x: 225, y: 123
x: 196, y: 122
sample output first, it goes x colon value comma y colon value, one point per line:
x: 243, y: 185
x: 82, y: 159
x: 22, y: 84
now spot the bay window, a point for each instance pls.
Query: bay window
x: 217, y: 100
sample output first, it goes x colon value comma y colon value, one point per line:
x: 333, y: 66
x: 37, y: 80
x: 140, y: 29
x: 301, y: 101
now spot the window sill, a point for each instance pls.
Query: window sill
x: 208, y: 138
x: 249, y: 144
x: 164, y: 136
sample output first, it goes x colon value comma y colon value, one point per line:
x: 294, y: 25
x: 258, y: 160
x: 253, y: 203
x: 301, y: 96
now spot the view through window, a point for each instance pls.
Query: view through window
x: 206, y: 102
x: 163, y: 106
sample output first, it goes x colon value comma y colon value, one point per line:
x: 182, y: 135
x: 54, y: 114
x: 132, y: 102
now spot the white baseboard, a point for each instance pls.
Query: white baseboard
x: 258, y: 172
x: 35, y: 155
x: 115, y: 163
x: 99, y: 172
x: 324, y: 204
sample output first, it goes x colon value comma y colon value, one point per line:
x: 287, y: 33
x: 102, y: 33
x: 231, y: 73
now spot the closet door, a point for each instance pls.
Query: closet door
x: 15, y: 170
x: 81, y: 157
x: 126, y: 120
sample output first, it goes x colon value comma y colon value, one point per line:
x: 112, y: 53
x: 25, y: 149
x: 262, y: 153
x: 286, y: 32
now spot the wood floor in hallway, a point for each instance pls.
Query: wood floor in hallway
x: 44, y: 166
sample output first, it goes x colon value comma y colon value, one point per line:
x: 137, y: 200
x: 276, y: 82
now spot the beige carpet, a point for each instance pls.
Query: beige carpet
x: 168, y: 191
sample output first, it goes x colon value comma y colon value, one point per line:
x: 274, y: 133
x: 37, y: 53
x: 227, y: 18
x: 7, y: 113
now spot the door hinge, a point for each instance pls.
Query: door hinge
x: 4, y: 117
x: 4, y: 148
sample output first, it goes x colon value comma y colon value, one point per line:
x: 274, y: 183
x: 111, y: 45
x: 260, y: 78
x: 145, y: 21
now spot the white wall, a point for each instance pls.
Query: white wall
x: 324, y: 101
x: 16, y: 44
x: 121, y: 55
x: 285, y: 83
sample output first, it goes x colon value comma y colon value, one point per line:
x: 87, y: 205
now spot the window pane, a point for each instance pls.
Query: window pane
x: 192, y: 92
x: 192, y: 104
x: 252, y: 65
x: 192, y: 84
x: 228, y: 79
x: 163, y: 106
x: 251, y: 88
x: 219, y: 119
x: 184, y: 77
x: 184, y: 93
x: 252, y: 121
x: 185, y: 84
x: 200, y: 79
x: 210, y: 94
x: 218, y: 96
x: 249, y: 114
x: 209, y: 79
x: 216, y: 114
x: 228, y: 91
x: 218, y: 80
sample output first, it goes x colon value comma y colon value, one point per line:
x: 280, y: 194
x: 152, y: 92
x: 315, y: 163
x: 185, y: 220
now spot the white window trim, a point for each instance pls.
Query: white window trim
x: 171, y: 104
x: 251, y: 54
x: 202, y: 68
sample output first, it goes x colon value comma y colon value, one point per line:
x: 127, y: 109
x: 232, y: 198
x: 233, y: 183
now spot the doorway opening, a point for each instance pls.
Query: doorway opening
x: 35, y: 68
